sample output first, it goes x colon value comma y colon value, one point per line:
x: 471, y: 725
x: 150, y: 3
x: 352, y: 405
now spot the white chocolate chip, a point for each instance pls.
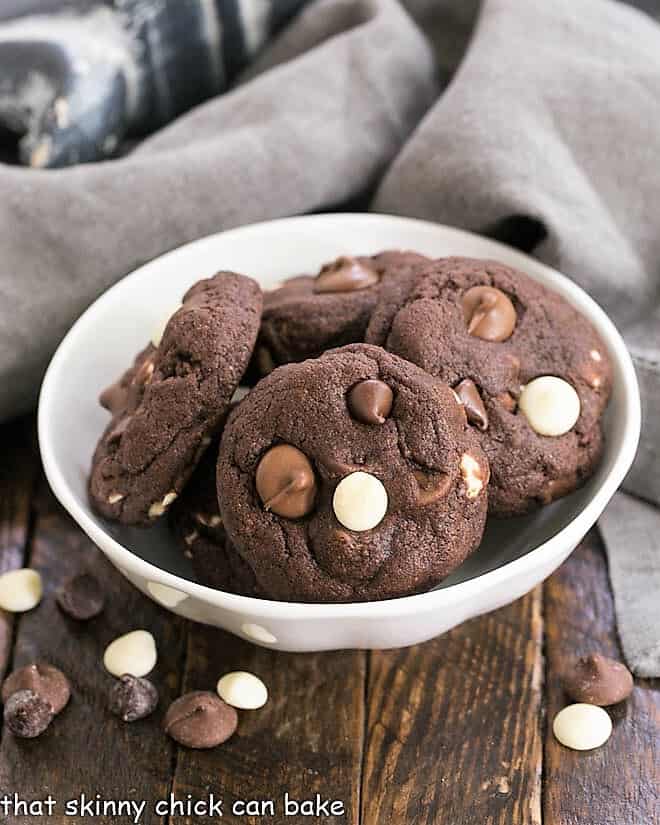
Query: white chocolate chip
x: 191, y: 538
x: 159, y: 507
x: 20, y: 590
x: 133, y: 653
x: 596, y: 355
x: 473, y: 475
x: 550, y: 405
x: 115, y: 498
x: 242, y: 690
x: 159, y: 329
x: 582, y: 727
x: 360, y: 501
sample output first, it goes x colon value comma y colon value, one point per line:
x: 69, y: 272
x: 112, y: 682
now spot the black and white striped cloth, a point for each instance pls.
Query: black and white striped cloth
x: 77, y: 78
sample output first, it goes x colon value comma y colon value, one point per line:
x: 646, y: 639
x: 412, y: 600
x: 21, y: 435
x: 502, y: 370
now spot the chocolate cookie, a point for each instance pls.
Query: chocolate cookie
x: 350, y: 477
x: 532, y: 372
x: 196, y: 521
x: 167, y: 407
x: 310, y: 314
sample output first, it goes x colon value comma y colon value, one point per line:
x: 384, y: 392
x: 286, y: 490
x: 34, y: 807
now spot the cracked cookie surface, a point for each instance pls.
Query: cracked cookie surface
x: 333, y: 493
x: 489, y: 331
x: 168, y: 406
x: 310, y: 314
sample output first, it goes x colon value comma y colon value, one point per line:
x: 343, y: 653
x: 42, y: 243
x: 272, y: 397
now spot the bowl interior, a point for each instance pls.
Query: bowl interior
x: 105, y: 339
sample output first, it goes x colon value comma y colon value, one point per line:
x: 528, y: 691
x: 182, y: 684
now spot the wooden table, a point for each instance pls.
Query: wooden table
x: 453, y: 731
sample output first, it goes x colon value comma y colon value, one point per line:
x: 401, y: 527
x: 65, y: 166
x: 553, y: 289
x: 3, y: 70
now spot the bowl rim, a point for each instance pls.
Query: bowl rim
x: 571, y: 533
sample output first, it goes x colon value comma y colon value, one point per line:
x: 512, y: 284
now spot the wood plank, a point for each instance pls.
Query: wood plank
x: 307, y: 739
x: 86, y: 749
x: 453, y: 732
x: 620, y: 782
x: 18, y: 470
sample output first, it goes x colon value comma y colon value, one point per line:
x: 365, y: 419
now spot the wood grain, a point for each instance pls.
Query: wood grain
x: 306, y: 740
x: 453, y: 732
x: 86, y: 749
x: 18, y: 468
x: 618, y: 784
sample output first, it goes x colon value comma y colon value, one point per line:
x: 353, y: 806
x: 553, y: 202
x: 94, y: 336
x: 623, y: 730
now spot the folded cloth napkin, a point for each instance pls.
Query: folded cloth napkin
x: 544, y: 137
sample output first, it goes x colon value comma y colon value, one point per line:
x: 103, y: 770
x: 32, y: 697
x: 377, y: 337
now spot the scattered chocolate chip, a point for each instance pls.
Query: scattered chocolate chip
x: 345, y: 275
x: 133, y: 698
x: 27, y: 714
x: 488, y: 313
x: 200, y: 720
x: 285, y: 482
x: 474, y: 406
x: 81, y: 597
x: 598, y: 680
x: 370, y: 401
x: 431, y: 486
x: 46, y: 681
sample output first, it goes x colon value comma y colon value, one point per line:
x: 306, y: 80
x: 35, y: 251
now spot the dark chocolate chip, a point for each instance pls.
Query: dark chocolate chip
x: 200, y: 720
x: 598, y: 680
x: 46, y: 681
x: 27, y: 714
x: 133, y: 698
x: 489, y: 313
x: 474, y: 406
x: 370, y: 401
x: 431, y: 486
x: 345, y: 275
x: 81, y: 597
x: 285, y: 482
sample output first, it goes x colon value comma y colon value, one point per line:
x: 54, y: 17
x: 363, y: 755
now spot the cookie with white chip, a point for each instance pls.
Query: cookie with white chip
x: 532, y: 372
x: 310, y: 314
x: 351, y: 477
x: 169, y: 405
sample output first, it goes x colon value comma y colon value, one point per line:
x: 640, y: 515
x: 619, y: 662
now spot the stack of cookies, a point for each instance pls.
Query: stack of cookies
x: 395, y: 402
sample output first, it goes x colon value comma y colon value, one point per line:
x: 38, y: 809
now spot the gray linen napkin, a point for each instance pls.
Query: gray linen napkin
x: 336, y: 98
x: 546, y: 137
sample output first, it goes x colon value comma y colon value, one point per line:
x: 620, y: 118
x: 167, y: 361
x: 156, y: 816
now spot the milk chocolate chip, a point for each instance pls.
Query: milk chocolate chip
x: 200, y: 720
x: 113, y: 398
x: 27, y: 714
x: 431, y: 486
x: 598, y: 680
x: 45, y: 680
x: 285, y: 482
x: 489, y: 313
x: 370, y: 401
x: 345, y: 275
x: 474, y: 407
x: 81, y: 597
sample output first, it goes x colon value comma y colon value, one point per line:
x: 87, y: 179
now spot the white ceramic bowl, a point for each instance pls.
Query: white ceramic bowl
x: 515, y: 554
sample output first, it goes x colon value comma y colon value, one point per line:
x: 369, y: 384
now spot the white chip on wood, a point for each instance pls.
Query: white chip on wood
x: 582, y: 727
x: 134, y: 653
x: 242, y: 690
x: 20, y: 590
